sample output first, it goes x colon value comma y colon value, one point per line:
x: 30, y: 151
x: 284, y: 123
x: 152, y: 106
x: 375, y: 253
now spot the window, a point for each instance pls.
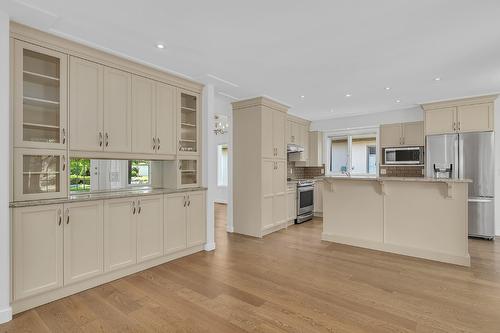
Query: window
x: 222, y: 165
x: 139, y: 172
x: 353, y: 154
x: 79, y: 176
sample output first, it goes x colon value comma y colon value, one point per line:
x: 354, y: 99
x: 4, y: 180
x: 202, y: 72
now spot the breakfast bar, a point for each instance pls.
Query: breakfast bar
x: 419, y: 217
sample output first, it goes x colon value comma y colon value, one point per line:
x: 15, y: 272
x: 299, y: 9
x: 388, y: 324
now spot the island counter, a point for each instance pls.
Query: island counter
x: 419, y: 217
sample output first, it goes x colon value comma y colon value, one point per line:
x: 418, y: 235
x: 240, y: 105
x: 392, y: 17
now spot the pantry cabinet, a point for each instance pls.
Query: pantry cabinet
x: 120, y: 233
x: 149, y: 227
x: 40, y: 97
x: 37, y: 238
x: 83, y: 241
x: 402, y: 134
x: 460, y: 116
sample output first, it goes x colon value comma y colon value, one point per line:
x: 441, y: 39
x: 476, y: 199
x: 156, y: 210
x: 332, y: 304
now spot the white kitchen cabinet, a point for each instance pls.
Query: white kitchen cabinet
x: 83, y: 240
x: 40, y: 174
x: 291, y: 195
x: 278, y: 132
x: 402, y: 134
x: 475, y: 118
x: 440, y: 121
x: 315, y: 149
x: 318, y: 198
x: 86, y: 106
x: 166, y: 128
x: 117, y: 111
x: 149, y: 227
x: 268, y: 173
x: 175, y: 214
x: 40, y: 97
x: 195, y: 218
x: 268, y: 147
x: 143, y: 113
x: 120, y: 233
x: 188, y: 118
x: 37, y: 238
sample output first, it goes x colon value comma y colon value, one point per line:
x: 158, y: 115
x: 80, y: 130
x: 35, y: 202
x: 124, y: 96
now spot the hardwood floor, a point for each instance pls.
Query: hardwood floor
x: 290, y: 281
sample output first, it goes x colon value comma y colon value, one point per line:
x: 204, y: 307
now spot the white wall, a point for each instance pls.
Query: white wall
x: 5, y: 158
x: 222, y: 106
x: 369, y: 120
x: 497, y: 167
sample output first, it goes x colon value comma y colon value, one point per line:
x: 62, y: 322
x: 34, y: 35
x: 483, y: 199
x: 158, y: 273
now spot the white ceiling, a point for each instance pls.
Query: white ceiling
x: 284, y: 48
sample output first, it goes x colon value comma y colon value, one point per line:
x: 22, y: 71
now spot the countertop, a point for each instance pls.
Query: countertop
x: 399, y: 179
x: 103, y: 196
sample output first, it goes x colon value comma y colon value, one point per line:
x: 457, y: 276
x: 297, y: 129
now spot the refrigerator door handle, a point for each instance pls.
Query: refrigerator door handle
x: 482, y: 200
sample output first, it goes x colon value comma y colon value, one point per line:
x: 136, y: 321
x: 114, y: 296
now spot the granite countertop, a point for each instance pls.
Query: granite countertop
x: 400, y: 179
x: 103, y: 195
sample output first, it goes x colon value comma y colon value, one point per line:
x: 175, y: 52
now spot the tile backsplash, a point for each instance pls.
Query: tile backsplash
x: 402, y: 171
x: 304, y: 172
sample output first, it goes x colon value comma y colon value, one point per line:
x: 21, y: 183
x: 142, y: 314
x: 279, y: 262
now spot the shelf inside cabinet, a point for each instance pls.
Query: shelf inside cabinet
x: 188, y: 125
x: 41, y: 173
x: 40, y: 101
x: 185, y: 108
x: 41, y: 78
x: 40, y: 125
x: 187, y: 140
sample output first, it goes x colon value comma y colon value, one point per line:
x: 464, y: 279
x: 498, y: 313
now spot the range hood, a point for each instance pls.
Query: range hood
x: 293, y: 148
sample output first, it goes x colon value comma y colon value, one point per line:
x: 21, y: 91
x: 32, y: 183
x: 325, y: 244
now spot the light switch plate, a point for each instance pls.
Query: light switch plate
x: 383, y: 171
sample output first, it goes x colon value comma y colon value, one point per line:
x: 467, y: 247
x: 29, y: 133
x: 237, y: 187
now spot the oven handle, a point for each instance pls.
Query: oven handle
x: 305, y: 188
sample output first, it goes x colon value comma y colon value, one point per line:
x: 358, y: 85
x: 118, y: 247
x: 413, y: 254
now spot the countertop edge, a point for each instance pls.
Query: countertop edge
x: 399, y: 179
x: 102, y: 196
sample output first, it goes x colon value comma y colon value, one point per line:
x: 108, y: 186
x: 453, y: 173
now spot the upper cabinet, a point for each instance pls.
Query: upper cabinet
x: 402, y: 134
x: 40, y: 97
x: 297, y: 132
x: 166, y: 120
x: 466, y: 115
x: 273, y: 124
x: 189, y: 120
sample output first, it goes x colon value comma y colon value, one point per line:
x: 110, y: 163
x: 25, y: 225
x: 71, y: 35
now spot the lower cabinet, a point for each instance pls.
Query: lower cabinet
x: 120, y: 233
x: 318, y: 198
x: 59, y: 245
x: 37, y: 239
x: 291, y: 196
x: 83, y: 240
x: 149, y: 227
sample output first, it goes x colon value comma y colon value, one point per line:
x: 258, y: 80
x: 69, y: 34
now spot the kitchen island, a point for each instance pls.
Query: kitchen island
x: 419, y: 217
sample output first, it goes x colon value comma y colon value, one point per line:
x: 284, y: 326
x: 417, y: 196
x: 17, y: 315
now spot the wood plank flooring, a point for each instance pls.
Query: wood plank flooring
x: 290, y: 281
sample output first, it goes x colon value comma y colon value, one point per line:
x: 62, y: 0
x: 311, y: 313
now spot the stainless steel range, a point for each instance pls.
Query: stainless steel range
x: 305, y: 200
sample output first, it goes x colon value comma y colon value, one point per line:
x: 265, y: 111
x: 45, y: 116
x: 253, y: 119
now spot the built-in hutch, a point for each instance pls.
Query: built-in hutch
x: 73, y: 101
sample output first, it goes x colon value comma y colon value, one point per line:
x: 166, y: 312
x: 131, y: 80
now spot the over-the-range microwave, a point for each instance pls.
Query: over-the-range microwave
x: 404, y: 155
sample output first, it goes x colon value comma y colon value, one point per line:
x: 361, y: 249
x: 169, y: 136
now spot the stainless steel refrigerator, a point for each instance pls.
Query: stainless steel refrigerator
x: 468, y: 155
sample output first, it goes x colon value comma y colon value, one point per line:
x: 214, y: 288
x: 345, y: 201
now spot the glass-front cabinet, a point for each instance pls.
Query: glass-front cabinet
x: 39, y: 174
x: 40, y: 97
x: 188, y: 173
x: 188, y: 132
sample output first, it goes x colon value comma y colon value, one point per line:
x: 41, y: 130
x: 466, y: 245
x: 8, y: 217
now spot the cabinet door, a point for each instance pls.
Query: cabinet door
x: 278, y: 132
x: 86, y: 105
x: 413, y: 134
x: 268, y: 169
x: 83, y: 240
x: 289, y: 131
x: 143, y: 112
x: 40, y: 174
x: 291, y: 205
x: 268, y: 148
x: 279, y: 193
x: 117, y: 111
x: 390, y: 135
x: 196, y: 220
x: 318, y: 197
x: 439, y: 121
x: 174, y: 222
x: 166, y: 129
x: 37, y: 238
x: 120, y: 241
x: 188, y: 119
x: 40, y: 97
x: 149, y: 227
x: 475, y: 118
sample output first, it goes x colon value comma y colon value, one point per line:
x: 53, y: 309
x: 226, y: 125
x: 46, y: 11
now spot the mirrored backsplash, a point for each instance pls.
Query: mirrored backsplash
x: 93, y: 175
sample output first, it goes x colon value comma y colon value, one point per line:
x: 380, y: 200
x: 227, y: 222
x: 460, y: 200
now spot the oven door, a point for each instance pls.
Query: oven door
x: 305, y: 199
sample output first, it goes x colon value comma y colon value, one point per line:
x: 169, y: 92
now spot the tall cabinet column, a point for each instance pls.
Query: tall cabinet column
x: 5, y: 160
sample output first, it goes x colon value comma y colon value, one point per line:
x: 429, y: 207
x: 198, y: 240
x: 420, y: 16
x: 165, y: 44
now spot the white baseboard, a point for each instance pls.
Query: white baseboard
x: 456, y: 259
x: 209, y: 246
x: 5, y: 315
x: 230, y: 228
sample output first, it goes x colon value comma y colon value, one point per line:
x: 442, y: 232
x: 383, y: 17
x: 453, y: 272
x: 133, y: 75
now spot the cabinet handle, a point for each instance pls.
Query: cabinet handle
x: 189, y: 201
x: 64, y: 136
x: 158, y: 144
x: 133, y: 207
x: 67, y: 215
x: 139, y: 206
x: 154, y: 143
x: 64, y: 163
x: 60, y: 217
x: 185, y: 202
x: 459, y: 126
x: 180, y: 146
x: 100, y: 139
x: 454, y: 127
x: 180, y: 165
x: 107, y: 139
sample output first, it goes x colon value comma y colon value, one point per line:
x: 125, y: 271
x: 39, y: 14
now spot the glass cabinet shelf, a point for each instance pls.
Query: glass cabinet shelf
x: 188, y: 132
x: 188, y: 173
x: 40, y: 97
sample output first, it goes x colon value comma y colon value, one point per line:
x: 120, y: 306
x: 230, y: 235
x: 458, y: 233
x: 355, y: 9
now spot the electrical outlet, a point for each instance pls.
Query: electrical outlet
x: 383, y: 172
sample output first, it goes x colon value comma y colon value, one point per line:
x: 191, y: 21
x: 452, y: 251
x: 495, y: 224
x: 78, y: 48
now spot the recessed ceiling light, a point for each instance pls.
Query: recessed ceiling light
x: 387, y: 88
x: 331, y: 110
x: 302, y: 96
x: 437, y: 79
x: 348, y: 95
x: 160, y: 46
x: 398, y: 101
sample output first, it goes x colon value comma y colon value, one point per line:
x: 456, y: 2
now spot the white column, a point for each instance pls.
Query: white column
x: 229, y: 218
x: 5, y: 158
x: 209, y: 161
